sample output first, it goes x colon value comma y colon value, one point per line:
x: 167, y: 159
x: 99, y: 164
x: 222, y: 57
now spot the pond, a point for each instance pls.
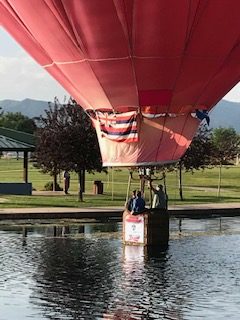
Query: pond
x: 82, y: 271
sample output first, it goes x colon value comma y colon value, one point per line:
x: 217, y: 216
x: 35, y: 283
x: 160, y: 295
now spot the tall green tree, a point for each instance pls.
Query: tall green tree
x: 226, y: 143
x: 67, y: 141
x: 198, y: 155
x: 17, y: 121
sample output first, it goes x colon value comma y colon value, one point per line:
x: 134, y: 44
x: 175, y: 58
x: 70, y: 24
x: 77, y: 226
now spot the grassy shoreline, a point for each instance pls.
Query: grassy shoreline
x: 200, y: 187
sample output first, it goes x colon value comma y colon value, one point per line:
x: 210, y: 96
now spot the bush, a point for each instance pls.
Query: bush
x: 49, y: 187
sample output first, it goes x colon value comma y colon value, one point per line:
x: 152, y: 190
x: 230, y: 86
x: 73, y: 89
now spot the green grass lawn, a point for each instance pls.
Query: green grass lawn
x: 200, y: 187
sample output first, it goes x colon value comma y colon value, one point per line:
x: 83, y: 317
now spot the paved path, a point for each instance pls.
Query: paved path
x: 178, y: 211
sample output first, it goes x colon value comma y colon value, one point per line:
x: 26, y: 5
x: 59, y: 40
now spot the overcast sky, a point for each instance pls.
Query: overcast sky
x: 21, y: 77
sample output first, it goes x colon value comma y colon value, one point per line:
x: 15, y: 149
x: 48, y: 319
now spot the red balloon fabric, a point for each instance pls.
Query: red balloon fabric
x: 160, y: 59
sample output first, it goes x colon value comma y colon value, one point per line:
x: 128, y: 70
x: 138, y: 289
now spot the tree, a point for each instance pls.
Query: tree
x: 67, y: 141
x: 17, y: 121
x: 198, y: 155
x: 226, y: 144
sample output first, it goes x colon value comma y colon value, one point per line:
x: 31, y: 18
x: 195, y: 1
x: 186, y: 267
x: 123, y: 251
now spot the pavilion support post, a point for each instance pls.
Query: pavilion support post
x: 25, y: 166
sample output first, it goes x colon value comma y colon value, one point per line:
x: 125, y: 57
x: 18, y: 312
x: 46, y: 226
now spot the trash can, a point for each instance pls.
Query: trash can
x: 98, y: 187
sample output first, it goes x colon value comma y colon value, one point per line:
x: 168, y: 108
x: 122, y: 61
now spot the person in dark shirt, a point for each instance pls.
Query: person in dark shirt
x: 138, y: 204
x: 66, y: 179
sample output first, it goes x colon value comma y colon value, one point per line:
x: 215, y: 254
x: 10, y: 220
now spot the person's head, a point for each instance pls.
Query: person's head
x: 139, y: 194
x: 160, y: 187
x: 134, y: 193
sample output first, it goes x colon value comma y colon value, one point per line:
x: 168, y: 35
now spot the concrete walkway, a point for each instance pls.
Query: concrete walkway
x: 100, y: 213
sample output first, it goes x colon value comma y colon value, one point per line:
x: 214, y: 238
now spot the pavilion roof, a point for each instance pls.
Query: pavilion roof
x: 12, y: 140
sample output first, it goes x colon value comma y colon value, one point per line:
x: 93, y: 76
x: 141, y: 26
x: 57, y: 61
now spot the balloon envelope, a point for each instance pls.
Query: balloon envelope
x: 144, y: 66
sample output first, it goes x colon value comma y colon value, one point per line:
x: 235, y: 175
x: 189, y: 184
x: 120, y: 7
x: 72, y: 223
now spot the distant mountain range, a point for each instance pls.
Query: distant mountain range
x: 28, y: 107
x: 225, y: 113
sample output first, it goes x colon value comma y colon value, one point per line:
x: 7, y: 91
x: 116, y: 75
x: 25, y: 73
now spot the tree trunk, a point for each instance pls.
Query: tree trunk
x: 81, y: 181
x: 219, y: 180
x: 55, y: 182
x: 142, y: 184
x: 180, y: 181
x: 237, y: 159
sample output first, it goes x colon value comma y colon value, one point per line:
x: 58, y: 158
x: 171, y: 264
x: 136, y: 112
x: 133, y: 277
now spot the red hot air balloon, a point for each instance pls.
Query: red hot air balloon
x: 141, y: 69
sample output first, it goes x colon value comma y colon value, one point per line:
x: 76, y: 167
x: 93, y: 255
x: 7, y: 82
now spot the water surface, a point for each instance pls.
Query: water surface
x: 84, y: 272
